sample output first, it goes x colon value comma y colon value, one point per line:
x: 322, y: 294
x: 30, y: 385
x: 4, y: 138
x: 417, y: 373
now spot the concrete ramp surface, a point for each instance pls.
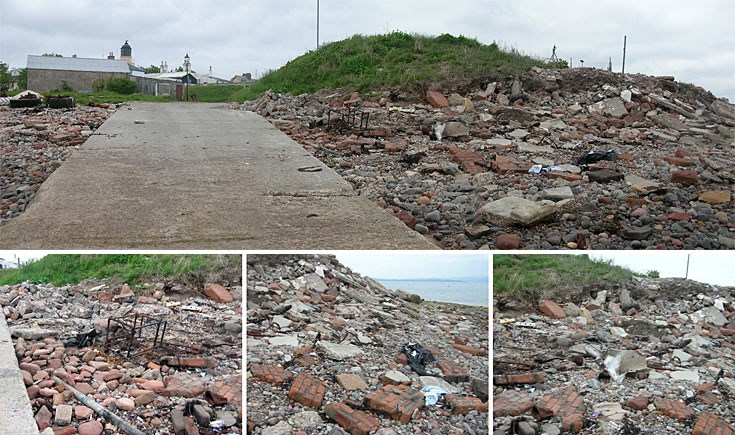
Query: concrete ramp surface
x: 199, y: 176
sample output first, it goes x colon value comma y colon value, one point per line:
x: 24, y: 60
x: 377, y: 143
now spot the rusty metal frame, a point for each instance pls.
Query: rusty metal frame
x: 350, y: 116
x: 132, y: 326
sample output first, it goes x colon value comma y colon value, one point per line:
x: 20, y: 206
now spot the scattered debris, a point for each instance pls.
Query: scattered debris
x: 649, y: 356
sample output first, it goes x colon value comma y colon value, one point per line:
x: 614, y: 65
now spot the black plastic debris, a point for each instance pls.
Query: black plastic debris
x: 83, y: 339
x: 591, y: 157
x: 418, y: 357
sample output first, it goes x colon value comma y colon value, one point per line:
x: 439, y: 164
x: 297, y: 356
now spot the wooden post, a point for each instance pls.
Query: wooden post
x: 625, y: 43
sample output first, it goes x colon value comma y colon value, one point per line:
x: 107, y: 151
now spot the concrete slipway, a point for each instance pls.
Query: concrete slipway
x: 199, y: 176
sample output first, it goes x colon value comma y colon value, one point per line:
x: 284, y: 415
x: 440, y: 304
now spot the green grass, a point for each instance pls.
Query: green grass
x: 397, y: 59
x: 215, y: 93
x: 106, y: 97
x: 205, y: 94
x: 528, y: 277
x: 61, y: 269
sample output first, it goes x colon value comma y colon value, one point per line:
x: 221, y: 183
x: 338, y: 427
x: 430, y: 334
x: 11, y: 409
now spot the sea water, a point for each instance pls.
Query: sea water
x: 458, y: 292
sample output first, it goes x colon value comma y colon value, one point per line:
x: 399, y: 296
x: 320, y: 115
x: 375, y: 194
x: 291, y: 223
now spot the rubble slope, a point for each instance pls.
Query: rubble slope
x: 505, y: 162
x: 324, y: 354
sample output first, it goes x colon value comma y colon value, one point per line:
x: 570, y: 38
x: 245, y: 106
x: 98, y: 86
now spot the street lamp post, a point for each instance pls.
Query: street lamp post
x: 187, y: 68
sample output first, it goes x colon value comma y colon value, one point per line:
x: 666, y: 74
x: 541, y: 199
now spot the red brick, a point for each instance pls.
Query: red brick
x: 673, y: 408
x: 511, y: 402
x: 399, y: 402
x: 711, y: 424
x: 508, y: 241
x: 521, y: 378
x: 468, y: 349
x: 273, y: 374
x: 307, y: 390
x: 353, y: 421
x: 191, y: 426
x: 453, y: 372
x: 686, y: 178
x: 218, y: 293
x: 678, y: 217
x: 678, y: 161
x: 562, y: 403
x: 470, y: 161
x: 226, y: 391
x: 573, y: 423
x: 638, y: 403
x: 552, y: 309
x: 195, y: 362
x: 464, y: 404
x: 437, y: 100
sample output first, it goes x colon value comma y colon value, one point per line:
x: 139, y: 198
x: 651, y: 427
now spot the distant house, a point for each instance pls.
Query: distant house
x: 7, y: 264
x: 46, y: 73
x: 192, y: 78
x: 244, y: 78
x: 177, y: 76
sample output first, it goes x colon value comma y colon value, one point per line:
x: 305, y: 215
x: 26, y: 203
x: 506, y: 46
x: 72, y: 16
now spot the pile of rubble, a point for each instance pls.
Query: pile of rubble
x: 332, y: 352
x: 655, y: 356
x: 164, y: 360
x: 33, y: 143
x: 574, y: 159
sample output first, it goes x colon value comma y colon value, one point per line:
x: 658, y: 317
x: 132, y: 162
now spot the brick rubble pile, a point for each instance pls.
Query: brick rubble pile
x: 454, y: 166
x: 190, y: 384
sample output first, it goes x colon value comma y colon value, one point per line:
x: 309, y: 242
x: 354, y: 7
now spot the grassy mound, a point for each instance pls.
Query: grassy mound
x: 396, y: 59
x: 529, y: 278
x: 61, y: 269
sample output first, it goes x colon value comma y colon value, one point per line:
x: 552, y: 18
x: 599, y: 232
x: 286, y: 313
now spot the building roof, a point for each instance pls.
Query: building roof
x: 77, y: 64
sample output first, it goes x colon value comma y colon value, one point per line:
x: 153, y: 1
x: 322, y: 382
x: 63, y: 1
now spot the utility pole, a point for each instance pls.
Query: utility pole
x: 687, y: 273
x: 625, y: 44
x: 317, y: 24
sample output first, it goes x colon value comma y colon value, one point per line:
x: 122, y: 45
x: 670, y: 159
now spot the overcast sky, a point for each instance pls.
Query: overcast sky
x: 410, y: 265
x: 712, y: 267
x: 693, y: 41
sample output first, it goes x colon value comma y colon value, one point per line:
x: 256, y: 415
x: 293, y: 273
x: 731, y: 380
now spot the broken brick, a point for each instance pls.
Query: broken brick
x: 464, y: 404
x: 686, y: 178
x: 307, y: 390
x: 511, y: 403
x: 552, y: 309
x: 353, y: 421
x: 521, y: 378
x: 453, y: 372
x: 710, y: 424
x: 573, y: 423
x: 637, y: 403
x: 273, y: 374
x: 437, y: 100
x: 562, y: 403
x: 468, y: 349
x: 351, y: 382
x: 399, y: 402
x: 218, y: 294
x: 673, y: 408
x: 201, y: 363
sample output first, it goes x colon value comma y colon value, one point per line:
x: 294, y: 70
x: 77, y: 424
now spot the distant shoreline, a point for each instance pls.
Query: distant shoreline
x: 455, y: 291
